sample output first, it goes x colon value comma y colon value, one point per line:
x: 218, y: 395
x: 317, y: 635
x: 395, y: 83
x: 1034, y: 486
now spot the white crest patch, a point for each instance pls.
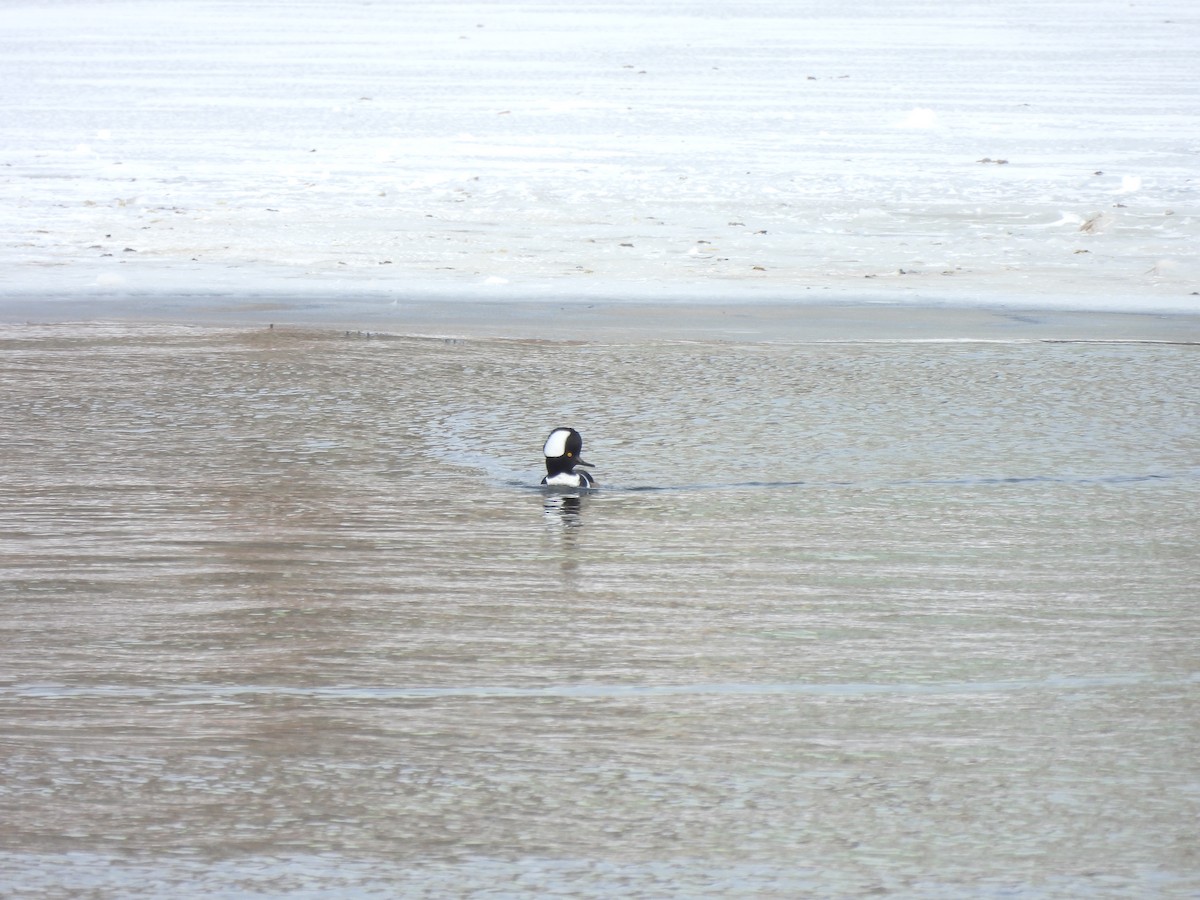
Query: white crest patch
x: 556, y: 444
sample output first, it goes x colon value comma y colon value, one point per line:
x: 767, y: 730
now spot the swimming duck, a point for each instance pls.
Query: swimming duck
x: 562, y: 451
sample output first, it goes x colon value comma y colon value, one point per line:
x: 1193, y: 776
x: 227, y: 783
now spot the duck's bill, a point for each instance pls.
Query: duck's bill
x: 580, y: 462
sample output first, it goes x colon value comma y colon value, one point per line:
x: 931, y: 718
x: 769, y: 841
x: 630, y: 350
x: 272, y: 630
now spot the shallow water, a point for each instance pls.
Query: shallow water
x: 284, y: 615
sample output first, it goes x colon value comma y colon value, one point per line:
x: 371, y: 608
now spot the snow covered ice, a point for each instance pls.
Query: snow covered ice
x: 981, y: 152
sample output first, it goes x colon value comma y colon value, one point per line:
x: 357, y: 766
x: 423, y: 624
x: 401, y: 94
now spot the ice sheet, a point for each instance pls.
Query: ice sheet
x: 1023, y: 153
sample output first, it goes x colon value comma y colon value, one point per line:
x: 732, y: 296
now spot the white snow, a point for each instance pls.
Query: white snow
x: 901, y: 151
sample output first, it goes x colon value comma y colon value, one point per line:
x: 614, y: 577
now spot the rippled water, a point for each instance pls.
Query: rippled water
x: 284, y: 615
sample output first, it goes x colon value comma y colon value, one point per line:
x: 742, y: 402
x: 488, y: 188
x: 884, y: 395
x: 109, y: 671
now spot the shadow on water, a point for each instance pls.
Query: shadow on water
x: 563, y: 514
x: 567, y: 508
x: 970, y: 481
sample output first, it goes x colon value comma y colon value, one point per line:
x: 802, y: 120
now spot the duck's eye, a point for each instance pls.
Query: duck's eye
x: 569, y: 453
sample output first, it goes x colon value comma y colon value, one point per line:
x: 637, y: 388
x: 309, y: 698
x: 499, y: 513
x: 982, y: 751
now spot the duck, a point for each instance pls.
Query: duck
x: 562, y: 449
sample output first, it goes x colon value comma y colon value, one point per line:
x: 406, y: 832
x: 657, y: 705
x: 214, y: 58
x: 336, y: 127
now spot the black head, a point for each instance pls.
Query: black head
x: 562, y: 451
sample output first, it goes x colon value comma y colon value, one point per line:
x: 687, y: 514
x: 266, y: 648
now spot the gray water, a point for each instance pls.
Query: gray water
x: 284, y: 615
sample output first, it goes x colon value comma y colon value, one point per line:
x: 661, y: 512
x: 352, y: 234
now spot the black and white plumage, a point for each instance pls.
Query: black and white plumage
x: 562, y: 451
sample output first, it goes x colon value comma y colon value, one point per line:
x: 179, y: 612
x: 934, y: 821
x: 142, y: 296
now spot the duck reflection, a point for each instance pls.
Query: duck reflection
x: 564, y: 509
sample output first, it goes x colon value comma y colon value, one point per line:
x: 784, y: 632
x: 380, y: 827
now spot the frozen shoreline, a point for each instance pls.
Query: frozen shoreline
x: 1029, y: 156
x: 623, y: 320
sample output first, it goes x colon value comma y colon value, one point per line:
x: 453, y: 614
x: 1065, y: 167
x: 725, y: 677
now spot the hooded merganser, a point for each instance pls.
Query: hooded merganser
x: 562, y: 451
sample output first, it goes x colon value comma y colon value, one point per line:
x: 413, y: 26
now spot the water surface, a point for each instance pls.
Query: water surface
x: 283, y: 614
